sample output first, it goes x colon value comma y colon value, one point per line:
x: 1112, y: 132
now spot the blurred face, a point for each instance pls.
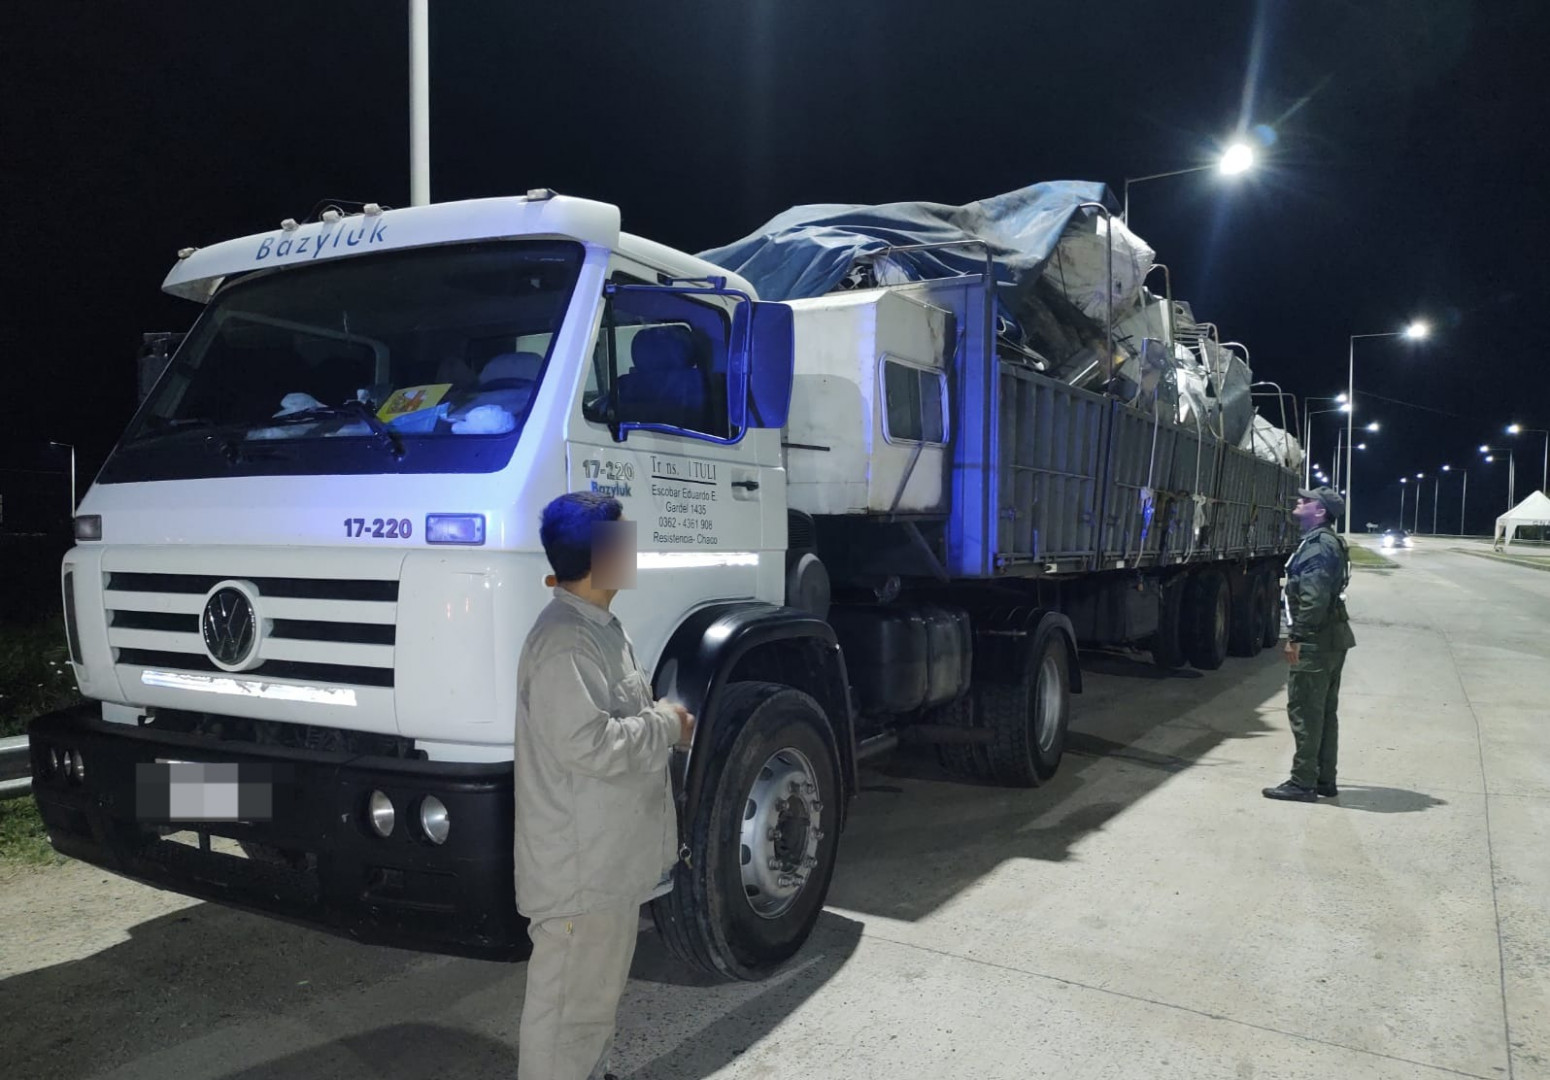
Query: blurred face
x: 613, y: 555
x: 1309, y: 514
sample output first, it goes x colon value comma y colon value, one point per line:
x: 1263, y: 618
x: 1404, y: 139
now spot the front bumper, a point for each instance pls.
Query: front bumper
x: 314, y: 861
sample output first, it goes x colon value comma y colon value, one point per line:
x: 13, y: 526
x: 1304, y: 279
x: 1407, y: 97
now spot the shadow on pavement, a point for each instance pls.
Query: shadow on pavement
x: 1127, y: 666
x: 918, y: 836
x: 1384, y: 800
x: 222, y: 989
x: 409, y: 1051
x: 176, y: 978
x: 719, y: 1043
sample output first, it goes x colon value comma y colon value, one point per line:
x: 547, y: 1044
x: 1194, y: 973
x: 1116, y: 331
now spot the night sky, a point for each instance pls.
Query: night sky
x: 1405, y: 179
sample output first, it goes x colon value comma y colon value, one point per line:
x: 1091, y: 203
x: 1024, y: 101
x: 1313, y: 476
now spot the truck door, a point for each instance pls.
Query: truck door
x: 708, y: 501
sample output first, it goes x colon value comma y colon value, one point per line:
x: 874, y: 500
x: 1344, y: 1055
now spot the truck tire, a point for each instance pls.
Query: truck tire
x: 1272, y: 625
x: 1248, y: 613
x: 1208, y: 617
x: 763, y: 842
x: 1167, y: 642
x: 1029, y: 716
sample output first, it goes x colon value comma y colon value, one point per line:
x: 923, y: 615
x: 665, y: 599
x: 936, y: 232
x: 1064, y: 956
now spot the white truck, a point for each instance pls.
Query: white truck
x: 302, y: 580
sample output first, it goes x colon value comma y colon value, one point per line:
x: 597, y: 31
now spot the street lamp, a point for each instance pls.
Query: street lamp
x: 1403, y: 480
x: 1463, y: 496
x: 1360, y: 446
x: 70, y: 447
x: 1436, y: 494
x: 1416, y: 331
x: 1512, y: 471
x: 1544, y: 474
x: 1235, y: 160
x: 1342, y: 406
x: 1418, y: 476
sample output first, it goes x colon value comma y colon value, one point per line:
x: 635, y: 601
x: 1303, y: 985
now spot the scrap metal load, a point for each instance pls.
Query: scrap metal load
x: 1072, y: 296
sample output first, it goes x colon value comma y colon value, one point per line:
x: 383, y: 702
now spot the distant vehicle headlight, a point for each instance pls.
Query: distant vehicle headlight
x: 1388, y: 541
x: 1407, y: 541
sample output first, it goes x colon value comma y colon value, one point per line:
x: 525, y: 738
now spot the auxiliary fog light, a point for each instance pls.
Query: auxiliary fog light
x: 434, y: 819
x: 380, y: 812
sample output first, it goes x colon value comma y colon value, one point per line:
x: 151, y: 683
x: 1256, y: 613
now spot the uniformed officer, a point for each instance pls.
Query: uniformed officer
x: 1317, y: 639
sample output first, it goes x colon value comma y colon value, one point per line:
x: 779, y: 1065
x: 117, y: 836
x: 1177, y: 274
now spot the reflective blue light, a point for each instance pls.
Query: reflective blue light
x: 454, y: 528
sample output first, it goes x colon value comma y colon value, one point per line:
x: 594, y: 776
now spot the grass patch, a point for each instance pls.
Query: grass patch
x: 1365, y: 556
x: 22, y: 836
x: 35, y: 675
x: 1532, y: 562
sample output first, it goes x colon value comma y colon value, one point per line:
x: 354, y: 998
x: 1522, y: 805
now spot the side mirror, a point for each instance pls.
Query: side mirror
x: 760, y: 366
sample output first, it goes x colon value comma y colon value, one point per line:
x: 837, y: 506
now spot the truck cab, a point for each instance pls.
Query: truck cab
x: 304, y: 576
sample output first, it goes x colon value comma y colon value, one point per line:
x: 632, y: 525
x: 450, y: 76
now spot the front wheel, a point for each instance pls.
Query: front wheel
x: 763, y: 840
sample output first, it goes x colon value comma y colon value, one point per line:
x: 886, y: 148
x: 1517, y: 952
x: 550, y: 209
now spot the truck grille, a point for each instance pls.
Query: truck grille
x: 330, y: 630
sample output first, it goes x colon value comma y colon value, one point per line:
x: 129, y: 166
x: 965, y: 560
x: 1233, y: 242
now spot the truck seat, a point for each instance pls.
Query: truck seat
x: 665, y: 385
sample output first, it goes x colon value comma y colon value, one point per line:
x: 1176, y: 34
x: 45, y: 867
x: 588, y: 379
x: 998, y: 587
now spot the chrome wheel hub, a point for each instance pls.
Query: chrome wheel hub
x: 1046, y: 707
x: 782, y: 819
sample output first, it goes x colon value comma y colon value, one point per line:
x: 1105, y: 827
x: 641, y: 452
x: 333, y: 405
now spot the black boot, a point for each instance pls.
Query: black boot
x: 1329, y: 791
x: 1291, y: 791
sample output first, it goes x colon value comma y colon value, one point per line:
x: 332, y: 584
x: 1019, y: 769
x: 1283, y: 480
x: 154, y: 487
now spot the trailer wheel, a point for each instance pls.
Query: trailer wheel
x: 1208, y: 617
x: 1272, y: 624
x: 1029, y: 717
x: 763, y: 843
x: 1248, y: 613
x: 1168, y: 641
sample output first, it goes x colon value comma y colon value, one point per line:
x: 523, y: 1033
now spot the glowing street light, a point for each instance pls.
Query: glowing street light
x: 1417, y: 330
x: 1490, y: 453
x: 1544, y: 475
x: 1237, y: 159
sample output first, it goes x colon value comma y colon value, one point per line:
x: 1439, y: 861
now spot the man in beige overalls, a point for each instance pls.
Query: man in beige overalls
x: 596, y: 831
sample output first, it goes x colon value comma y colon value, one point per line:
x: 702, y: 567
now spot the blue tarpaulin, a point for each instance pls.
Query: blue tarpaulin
x: 809, y: 250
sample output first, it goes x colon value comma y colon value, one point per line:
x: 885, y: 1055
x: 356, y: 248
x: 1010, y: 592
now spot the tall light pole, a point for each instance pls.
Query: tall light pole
x: 70, y: 447
x: 1415, y: 332
x: 1340, y: 401
x: 1236, y: 159
x: 1436, y: 493
x: 1544, y: 474
x: 419, y: 103
x: 1512, y: 471
x: 1403, y: 480
x: 1418, y: 476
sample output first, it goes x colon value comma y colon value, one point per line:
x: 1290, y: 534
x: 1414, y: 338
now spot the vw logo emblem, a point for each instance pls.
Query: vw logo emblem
x: 230, y: 627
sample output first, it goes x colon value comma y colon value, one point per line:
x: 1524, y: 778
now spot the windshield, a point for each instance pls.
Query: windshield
x: 424, y: 360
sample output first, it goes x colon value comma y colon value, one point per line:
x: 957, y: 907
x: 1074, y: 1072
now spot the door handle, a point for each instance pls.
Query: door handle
x: 746, y: 485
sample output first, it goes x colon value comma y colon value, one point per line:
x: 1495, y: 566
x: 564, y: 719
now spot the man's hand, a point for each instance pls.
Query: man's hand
x: 1293, y: 651
x: 685, y: 722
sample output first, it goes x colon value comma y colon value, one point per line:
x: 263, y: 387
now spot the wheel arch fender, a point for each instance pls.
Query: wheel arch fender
x: 751, y: 639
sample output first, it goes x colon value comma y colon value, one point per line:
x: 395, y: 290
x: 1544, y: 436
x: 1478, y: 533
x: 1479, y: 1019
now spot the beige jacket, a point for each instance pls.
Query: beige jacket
x: 596, y: 826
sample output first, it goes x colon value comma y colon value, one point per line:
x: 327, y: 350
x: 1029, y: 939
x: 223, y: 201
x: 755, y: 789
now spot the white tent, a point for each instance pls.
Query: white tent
x: 1532, y: 512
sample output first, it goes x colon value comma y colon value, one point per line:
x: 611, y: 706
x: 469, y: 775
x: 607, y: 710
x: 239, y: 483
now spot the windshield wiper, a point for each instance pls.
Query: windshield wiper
x: 357, y: 409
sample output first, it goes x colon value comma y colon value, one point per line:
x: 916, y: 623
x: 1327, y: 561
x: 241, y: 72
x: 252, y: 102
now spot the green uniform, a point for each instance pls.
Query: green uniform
x: 1316, y: 578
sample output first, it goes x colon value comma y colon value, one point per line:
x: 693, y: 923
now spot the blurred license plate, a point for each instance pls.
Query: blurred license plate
x: 203, y: 791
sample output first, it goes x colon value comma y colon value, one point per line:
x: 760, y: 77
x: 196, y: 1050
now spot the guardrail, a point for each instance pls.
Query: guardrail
x: 15, y: 767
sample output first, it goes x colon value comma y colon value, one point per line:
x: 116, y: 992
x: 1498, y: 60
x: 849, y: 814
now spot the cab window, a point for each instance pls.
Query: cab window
x: 669, y: 363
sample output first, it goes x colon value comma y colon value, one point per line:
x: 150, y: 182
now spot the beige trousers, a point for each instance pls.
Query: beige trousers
x: 574, y: 981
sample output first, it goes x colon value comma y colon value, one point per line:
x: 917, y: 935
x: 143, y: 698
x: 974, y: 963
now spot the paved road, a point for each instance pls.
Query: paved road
x: 1146, y: 915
